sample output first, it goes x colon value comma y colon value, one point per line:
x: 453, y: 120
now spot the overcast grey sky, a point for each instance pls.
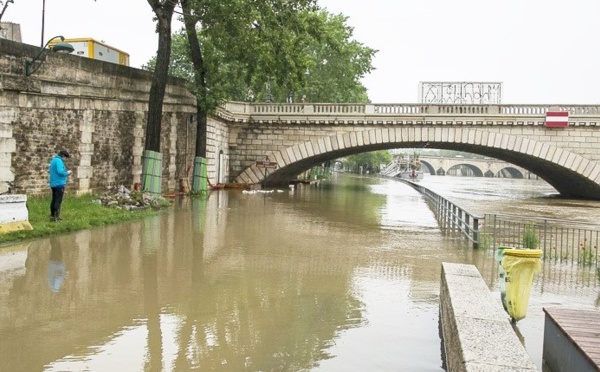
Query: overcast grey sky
x: 542, y: 51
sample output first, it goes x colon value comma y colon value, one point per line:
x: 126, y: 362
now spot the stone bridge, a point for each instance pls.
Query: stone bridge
x: 299, y: 136
x: 488, y: 167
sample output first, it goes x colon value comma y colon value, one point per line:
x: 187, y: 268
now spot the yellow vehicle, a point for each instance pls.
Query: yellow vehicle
x: 90, y: 48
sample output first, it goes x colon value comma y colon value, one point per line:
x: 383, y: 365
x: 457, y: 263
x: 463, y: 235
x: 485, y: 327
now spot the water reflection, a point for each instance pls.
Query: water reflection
x: 56, y: 267
x: 330, y: 278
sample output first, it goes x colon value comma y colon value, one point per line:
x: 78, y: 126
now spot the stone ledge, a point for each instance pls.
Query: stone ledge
x: 13, y: 213
x: 476, y: 332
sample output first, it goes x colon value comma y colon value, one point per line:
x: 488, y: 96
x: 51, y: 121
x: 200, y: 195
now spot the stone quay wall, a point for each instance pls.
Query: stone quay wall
x: 97, y: 111
x: 476, y: 331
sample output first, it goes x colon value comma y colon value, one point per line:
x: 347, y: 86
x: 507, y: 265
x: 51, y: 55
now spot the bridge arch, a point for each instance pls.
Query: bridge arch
x: 510, y: 172
x: 569, y: 173
x: 475, y: 171
x: 426, y: 167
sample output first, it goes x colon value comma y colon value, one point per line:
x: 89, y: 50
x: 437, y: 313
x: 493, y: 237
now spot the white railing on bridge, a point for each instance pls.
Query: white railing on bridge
x: 394, y: 109
x: 352, y: 109
x: 540, y: 110
x: 269, y: 108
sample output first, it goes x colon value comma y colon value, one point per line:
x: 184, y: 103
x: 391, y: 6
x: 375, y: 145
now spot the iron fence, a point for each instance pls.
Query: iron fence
x: 450, y: 216
x: 569, y: 241
x: 564, y: 241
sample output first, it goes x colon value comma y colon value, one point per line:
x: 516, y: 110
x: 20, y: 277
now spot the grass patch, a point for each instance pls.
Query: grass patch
x: 485, y: 241
x: 530, y: 239
x: 77, y: 212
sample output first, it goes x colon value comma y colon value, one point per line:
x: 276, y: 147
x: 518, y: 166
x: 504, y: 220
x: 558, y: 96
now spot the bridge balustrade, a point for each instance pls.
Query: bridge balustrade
x: 400, y: 109
x: 405, y: 109
x: 265, y: 108
x: 338, y: 109
x: 467, y: 109
x: 540, y: 110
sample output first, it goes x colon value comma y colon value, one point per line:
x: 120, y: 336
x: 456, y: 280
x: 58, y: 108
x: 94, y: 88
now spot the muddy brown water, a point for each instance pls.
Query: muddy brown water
x: 340, y: 277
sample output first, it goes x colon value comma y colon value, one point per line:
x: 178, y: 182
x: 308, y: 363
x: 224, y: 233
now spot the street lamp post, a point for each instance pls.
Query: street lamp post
x: 43, y: 19
x: 60, y: 47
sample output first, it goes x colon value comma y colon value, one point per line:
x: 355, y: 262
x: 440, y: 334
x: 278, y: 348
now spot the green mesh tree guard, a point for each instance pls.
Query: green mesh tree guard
x: 200, y: 180
x: 151, y: 172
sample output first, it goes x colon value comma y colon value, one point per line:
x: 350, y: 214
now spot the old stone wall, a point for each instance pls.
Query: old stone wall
x: 217, y: 145
x: 96, y: 110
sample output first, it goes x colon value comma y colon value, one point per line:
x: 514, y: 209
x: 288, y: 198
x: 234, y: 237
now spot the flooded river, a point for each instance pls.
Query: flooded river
x: 340, y: 277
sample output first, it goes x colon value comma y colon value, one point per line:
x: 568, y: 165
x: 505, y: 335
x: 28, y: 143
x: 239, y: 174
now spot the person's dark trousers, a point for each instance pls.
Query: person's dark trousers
x: 57, y: 198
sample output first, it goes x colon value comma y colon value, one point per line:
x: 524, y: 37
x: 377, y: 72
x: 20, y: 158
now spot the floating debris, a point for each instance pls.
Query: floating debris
x: 260, y: 191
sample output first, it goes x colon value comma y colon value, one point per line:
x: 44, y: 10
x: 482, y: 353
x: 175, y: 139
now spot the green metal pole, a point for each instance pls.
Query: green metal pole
x: 151, y: 172
x: 200, y: 179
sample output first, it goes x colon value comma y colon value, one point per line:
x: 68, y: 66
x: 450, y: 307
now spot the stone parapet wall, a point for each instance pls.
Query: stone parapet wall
x: 96, y: 110
x: 476, y: 332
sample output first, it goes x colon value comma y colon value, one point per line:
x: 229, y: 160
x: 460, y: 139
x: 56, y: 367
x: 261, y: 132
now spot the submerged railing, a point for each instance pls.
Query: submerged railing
x: 450, y: 216
x: 560, y: 240
x: 565, y: 241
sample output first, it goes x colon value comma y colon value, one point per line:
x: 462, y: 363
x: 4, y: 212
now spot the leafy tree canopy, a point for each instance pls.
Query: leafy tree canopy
x: 264, y: 50
x: 370, y: 161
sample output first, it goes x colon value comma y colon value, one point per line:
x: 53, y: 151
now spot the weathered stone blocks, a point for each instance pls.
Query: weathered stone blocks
x: 476, y: 332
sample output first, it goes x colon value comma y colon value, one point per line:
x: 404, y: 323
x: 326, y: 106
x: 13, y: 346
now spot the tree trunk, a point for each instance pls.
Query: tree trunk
x: 199, y: 76
x: 164, y: 13
x: 200, y: 181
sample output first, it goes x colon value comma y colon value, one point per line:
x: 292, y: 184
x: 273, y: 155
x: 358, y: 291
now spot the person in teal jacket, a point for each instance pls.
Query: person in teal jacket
x: 58, y: 180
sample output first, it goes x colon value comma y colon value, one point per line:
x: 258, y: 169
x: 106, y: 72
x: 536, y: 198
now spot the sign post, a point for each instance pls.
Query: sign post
x: 266, y: 164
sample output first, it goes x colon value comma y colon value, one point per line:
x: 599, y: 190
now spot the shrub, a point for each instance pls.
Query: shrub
x: 530, y: 239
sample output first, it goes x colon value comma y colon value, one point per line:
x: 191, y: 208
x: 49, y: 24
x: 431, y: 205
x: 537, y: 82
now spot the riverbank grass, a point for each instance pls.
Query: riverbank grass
x: 78, y: 213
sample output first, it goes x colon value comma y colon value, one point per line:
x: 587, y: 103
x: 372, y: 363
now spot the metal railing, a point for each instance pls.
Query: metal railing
x: 560, y: 240
x: 450, y: 216
x: 565, y: 241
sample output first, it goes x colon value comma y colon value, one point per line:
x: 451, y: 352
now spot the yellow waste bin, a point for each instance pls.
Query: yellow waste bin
x: 519, y: 266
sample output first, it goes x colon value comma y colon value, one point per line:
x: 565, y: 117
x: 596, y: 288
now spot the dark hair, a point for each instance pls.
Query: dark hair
x: 64, y: 154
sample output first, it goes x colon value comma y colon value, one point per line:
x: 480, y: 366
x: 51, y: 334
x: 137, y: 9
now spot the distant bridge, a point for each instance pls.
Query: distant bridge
x: 439, y: 165
x: 299, y: 136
